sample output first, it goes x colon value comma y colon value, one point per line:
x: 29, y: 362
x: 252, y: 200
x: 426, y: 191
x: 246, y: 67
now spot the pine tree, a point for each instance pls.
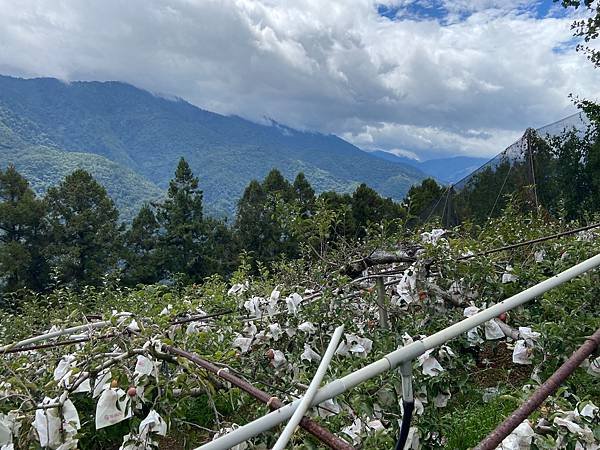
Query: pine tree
x: 251, y: 218
x: 275, y: 184
x: 21, y: 234
x: 220, y: 248
x: 83, y: 228
x: 181, y: 219
x: 142, y: 259
x: 259, y: 223
x: 368, y: 207
x: 304, y: 195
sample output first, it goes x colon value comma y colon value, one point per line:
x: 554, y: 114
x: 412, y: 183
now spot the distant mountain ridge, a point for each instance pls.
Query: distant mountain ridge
x: 146, y: 135
x: 447, y: 170
x: 45, y: 165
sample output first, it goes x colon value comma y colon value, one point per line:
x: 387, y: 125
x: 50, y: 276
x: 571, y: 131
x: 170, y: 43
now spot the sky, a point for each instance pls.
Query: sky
x: 425, y: 79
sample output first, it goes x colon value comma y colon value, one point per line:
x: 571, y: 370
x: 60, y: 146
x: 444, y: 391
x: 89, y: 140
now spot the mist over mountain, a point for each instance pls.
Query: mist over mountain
x: 145, y: 135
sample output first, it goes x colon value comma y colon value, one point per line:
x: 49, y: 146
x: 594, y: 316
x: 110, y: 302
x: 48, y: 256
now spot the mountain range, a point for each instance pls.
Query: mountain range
x: 446, y: 170
x: 131, y: 141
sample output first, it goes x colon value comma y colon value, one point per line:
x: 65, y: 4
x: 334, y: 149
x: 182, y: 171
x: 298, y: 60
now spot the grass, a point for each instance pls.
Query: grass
x: 470, y: 423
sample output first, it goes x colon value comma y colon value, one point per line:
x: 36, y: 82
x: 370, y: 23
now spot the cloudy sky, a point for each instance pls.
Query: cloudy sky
x: 428, y: 78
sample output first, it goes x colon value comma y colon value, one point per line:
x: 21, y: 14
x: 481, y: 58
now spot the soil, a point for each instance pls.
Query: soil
x: 495, y: 367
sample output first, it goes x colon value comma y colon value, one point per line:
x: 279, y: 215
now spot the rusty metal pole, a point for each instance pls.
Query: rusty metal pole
x: 494, y: 439
x: 273, y: 403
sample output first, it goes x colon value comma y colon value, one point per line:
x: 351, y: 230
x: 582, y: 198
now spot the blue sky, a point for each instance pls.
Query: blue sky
x: 438, y: 10
x: 427, y: 79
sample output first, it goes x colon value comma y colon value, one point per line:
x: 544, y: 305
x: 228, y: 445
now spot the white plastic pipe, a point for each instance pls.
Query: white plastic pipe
x: 306, y: 400
x: 395, y: 358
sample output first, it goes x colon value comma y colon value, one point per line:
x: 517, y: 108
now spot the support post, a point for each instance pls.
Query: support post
x: 384, y: 321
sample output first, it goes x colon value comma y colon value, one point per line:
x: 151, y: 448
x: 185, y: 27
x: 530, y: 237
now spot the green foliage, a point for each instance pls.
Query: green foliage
x: 558, y: 175
x: 21, y: 233
x: 45, y: 167
x: 369, y: 208
x: 83, y: 230
x: 142, y: 253
x: 588, y: 28
x: 260, y: 221
x: 470, y: 423
x: 147, y: 134
x: 421, y: 198
x: 563, y: 317
x: 180, y: 215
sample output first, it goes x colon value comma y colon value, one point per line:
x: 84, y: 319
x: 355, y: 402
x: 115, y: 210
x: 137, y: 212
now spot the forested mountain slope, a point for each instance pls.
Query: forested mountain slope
x: 148, y: 134
x: 45, y: 165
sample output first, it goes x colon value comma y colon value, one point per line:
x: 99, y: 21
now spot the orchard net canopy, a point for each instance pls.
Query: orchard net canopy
x: 530, y: 167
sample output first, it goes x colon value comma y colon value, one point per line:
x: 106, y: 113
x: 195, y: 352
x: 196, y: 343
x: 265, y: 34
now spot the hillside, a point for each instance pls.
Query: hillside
x: 166, y: 346
x: 447, y: 170
x: 44, y: 165
x: 148, y: 134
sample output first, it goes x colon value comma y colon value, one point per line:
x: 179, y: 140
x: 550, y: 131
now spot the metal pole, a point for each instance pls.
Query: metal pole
x: 395, y: 358
x: 305, y: 402
x: 328, y: 438
x: 383, y: 313
x: 531, y: 242
x: 494, y: 439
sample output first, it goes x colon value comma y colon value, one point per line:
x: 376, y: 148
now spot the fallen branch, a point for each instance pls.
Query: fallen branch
x: 356, y: 268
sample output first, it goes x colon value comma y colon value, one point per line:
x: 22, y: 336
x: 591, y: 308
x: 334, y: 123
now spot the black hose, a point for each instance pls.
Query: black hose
x: 405, y: 427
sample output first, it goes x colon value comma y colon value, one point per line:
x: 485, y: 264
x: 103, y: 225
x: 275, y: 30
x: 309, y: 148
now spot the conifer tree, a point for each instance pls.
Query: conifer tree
x: 275, y: 184
x: 83, y: 229
x: 368, y: 207
x: 220, y: 252
x: 21, y: 234
x: 304, y: 194
x: 142, y: 264
x: 258, y: 224
x: 182, y: 221
x: 422, y: 198
x: 251, y: 218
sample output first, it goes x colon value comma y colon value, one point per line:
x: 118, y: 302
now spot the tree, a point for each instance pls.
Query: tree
x: 142, y: 259
x: 304, y: 195
x: 22, y: 264
x: 83, y: 227
x: 592, y: 169
x: 251, y: 217
x: 341, y: 205
x: 220, y: 248
x: 181, y: 219
x: 589, y: 29
x: 421, y: 198
x: 275, y: 184
x: 260, y: 226
x: 368, y: 207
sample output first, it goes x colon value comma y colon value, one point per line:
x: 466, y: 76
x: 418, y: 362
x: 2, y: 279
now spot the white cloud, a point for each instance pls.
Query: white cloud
x: 465, y: 85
